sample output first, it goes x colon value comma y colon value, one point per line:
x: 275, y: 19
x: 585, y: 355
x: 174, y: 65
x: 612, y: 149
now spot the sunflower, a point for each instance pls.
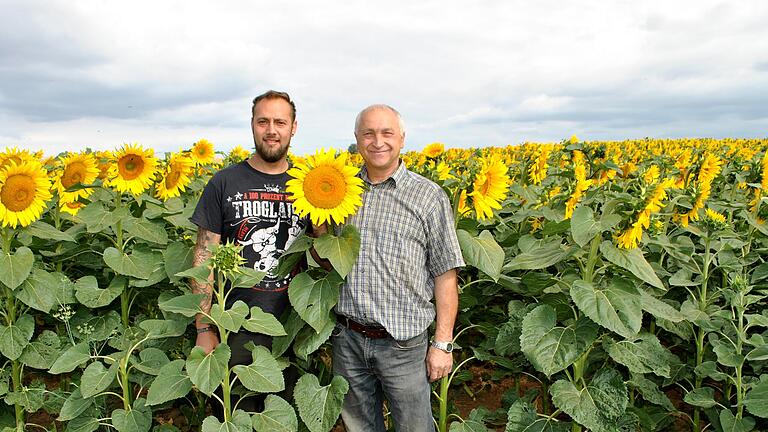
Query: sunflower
x: 714, y: 216
x: 444, y: 171
x: 538, y: 170
x: 77, y: 169
x: 582, y: 183
x: 463, y: 208
x: 239, y: 154
x: 24, y: 188
x: 433, y: 150
x: 490, y: 187
x: 104, y: 158
x: 325, y: 187
x: 630, y: 237
x: 132, y: 169
x: 70, y: 207
x: 202, y: 152
x: 710, y: 168
x: 754, y: 205
x: 13, y: 154
x: 176, y: 177
x: 651, y: 175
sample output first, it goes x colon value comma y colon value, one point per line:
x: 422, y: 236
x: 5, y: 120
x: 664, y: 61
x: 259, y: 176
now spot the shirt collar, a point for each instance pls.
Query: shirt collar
x: 397, y: 178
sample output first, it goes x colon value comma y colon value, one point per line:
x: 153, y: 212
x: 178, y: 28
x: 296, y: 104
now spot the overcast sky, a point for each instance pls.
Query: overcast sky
x: 76, y: 74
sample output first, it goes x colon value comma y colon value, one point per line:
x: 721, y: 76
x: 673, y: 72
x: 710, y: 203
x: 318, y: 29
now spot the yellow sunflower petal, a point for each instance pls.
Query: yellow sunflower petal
x: 132, y: 169
x: 24, y: 189
x: 325, y: 188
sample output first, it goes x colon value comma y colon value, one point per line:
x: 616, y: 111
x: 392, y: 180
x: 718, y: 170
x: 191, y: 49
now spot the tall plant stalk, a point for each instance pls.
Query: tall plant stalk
x: 701, y: 334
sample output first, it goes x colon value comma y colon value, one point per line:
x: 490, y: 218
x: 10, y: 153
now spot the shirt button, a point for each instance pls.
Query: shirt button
x: 362, y: 271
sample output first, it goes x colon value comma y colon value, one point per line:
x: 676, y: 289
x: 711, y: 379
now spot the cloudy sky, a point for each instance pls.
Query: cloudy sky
x: 77, y: 74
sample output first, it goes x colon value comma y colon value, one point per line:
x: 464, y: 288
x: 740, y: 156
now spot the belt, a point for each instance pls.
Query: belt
x: 371, y: 332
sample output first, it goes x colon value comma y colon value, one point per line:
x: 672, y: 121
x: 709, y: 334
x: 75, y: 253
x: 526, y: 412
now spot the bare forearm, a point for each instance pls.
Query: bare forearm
x: 446, y: 305
x: 201, y: 254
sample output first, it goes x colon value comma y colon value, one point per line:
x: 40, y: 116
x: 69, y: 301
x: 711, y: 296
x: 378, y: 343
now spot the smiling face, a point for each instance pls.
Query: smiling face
x: 272, y: 129
x: 379, y: 141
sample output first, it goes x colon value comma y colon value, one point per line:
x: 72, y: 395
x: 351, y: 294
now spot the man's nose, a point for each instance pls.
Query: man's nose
x: 378, y: 140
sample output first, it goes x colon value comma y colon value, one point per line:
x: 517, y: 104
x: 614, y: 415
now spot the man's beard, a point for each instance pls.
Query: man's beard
x: 274, y: 156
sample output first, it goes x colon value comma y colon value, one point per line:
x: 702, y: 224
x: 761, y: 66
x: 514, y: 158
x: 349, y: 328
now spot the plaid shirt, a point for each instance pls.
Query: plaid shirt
x: 407, y: 238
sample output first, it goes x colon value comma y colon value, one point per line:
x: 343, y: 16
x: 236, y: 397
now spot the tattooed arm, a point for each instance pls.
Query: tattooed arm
x: 207, y: 340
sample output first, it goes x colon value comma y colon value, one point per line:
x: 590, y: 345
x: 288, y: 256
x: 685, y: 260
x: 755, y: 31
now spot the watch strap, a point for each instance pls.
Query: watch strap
x: 443, y: 346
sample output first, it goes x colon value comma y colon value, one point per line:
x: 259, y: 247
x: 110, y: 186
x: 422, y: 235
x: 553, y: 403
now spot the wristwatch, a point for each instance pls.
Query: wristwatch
x: 443, y: 346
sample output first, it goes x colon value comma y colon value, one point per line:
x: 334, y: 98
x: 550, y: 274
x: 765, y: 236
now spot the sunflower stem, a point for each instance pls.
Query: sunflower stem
x: 7, y: 239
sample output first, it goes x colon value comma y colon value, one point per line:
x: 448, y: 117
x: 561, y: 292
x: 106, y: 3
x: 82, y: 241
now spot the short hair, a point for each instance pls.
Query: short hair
x: 272, y: 94
x: 375, y: 107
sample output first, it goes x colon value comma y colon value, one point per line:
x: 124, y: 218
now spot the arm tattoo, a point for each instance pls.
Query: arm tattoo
x: 201, y: 253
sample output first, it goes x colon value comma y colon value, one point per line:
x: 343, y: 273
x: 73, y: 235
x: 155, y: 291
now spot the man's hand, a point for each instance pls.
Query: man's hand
x: 318, y: 230
x: 207, y: 341
x: 439, y: 363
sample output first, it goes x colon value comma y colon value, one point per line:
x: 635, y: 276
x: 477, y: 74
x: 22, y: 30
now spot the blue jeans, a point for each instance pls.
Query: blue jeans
x: 378, y: 369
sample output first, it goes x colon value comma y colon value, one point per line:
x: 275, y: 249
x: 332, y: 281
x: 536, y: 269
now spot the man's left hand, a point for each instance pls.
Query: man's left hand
x: 439, y: 363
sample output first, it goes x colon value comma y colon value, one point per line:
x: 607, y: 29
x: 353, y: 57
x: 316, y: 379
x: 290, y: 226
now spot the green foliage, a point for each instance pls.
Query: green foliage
x: 340, y: 250
x: 206, y: 371
x: 552, y: 348
x: 599, y: 405
x: 278, y: 416
x: 482, y: 252
x: 673, y: 331
x: 319, y: 406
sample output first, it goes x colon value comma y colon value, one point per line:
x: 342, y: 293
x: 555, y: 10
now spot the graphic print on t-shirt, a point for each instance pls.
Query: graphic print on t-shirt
x: 265, y: 226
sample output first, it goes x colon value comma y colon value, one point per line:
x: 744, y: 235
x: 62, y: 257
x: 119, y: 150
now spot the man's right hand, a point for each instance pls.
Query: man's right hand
x: 207, y: 341
x: 318, y: 230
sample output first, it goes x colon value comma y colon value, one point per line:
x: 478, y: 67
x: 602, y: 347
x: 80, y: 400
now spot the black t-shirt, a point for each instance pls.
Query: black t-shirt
x: 251, y: 208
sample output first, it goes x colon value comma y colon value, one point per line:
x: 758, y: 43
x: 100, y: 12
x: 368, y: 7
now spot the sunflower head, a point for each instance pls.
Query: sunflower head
x: 325, y: 187
x: 714, y: 221
x: 76, y: 169
x: 433, y: 150
x: 651, y: 175
x: 177, y: 175
x: 24, y: 189
x: 239, y: 154
x: 132, y: 169
x: 227, y: 258
x: 490, y: 187
x: 70, y: 207
x: 202, y: 152
x: 104, y: 160
x: 463, y: 207
x: 14, y: 155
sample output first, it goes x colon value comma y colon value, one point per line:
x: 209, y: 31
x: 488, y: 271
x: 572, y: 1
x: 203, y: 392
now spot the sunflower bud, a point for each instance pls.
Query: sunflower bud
x: 227, y: 259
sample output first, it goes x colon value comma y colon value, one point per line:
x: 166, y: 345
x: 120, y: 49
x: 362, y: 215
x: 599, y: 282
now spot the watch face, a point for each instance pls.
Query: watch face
x: 449, y: 347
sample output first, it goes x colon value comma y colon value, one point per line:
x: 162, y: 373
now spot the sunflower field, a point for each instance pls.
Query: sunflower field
x: 610, y: 286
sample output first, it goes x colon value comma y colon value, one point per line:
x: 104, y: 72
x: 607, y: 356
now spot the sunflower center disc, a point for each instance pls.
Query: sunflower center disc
x: 130, y: 166
x: 325, y: 187
x: 172, y: 179
x: 18, y: 192
x: 485, y: 186
x: 73, y: 175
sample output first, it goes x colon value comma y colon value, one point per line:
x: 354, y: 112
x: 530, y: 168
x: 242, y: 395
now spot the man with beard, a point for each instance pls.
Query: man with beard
x: 246, y: 204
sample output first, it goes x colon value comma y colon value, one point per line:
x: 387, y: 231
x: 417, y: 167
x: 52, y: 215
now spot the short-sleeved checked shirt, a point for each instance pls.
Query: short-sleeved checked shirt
x: 407, y: 238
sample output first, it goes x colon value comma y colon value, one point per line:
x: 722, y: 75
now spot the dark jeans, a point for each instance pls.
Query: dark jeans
x: 378, y: 369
